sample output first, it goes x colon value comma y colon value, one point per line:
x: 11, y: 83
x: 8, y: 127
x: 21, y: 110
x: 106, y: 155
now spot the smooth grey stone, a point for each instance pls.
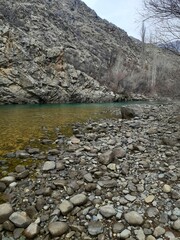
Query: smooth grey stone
x: 130, y: 198
x: 95, y: 228
x: 32, y: 230
x: 152, y: 212
x: 8, y: 179
x: 57, y: 229
x: 108, y: 183
x: 49, y: 165
x: 125, y: 234
x: 5, y: 211
x: 88, y: 177
x: 163, y: 218
x: 78, y: 199
x: 134, y: 218
x: 170, y: 236
x: 65, y: 207
x: 20, y: 219
x: 105, y: 158
x: 118, y: 227
x: 140, y: 234
x: 118, y: 153
x: 107, y: 211
x: 176, y: 225
x: 159, y: 231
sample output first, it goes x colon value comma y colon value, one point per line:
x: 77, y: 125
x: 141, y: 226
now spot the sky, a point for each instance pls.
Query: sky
x: 123, y: 13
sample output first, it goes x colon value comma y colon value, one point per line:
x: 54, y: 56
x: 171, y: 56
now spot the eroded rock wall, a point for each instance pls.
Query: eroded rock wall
x: 61, y: 51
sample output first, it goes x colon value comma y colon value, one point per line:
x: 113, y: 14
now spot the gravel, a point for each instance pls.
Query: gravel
x: 113, y: 179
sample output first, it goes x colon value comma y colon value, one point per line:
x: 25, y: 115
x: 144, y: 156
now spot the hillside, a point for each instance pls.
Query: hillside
x: 61, y: 51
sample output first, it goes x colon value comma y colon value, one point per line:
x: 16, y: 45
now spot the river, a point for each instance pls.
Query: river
x: 21, y: 123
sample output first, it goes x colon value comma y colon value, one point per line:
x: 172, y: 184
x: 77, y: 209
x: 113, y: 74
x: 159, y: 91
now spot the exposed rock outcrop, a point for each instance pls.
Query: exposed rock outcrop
x: 61, y: 51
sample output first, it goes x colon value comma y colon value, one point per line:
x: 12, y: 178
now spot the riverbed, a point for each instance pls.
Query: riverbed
x: 115, y: 178
x: 21, y: 123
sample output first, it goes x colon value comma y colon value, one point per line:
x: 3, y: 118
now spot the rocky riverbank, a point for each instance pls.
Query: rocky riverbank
x: 113, y: 179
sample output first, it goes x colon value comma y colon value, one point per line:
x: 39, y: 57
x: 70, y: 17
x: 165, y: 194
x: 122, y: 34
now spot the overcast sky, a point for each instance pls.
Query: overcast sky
x: 123, y: 13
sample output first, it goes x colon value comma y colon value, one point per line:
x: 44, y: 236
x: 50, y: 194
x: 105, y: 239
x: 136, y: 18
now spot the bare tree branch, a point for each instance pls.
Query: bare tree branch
x: 165, y: 15
x: 163, y: 8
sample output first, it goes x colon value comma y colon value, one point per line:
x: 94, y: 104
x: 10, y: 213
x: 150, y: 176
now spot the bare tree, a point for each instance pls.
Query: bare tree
x: 143, y: 35
x: 163, y: 9
x: 166, y: 16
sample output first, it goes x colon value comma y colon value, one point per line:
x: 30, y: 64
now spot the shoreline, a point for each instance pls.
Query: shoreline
x: 113, y: 179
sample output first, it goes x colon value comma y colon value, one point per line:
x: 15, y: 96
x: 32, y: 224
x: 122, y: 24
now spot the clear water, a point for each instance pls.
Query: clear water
x: 21, y: 123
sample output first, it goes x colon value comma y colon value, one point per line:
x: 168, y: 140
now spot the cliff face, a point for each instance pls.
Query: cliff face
x: 61, y: 51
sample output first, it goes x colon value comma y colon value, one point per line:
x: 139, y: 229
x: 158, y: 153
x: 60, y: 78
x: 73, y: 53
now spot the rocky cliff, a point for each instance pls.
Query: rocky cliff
x: 61, y: 51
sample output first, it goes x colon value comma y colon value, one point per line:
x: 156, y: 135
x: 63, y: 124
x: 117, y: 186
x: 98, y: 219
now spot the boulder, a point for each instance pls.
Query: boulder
x: 127, y: 113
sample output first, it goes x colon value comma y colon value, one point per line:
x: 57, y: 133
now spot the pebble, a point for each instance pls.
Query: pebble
x: 88, y: 177
x: 118, y: 227
x: 57, y: 229
x: 158, y: 231
x: 95, y: 228
x: 32, y: 231
x: 65, y: 207
x: 106, y: 158
x: 75, y: 140
x: 107, y: 211
x: 78, y: 199
x: 108, y: 183
x: 130, y: 198
x: 49, y: 165
x: 7, y: 180
x: 150, y: 237
x: 8, y: 225
x: 149, y: 199
x: 134, y: 218
x: 176, y: 225
x: 152, y: 212
x: 125, y: 234
x: 95, y: 186
x: 140, y: 234
x: 169, y: 235
x: 118, y: 153
x: 20, y: 219
x: 112, y: 166
x: 166, y: 188
x: 5, y: 211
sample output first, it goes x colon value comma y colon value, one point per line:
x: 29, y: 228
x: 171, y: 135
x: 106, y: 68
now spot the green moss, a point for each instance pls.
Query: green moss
x: 27, y: 126
x: 3, y: 198
x: 11, y: 164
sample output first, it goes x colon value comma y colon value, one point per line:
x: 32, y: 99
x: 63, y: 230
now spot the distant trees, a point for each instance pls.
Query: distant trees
x: 166, y: 16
